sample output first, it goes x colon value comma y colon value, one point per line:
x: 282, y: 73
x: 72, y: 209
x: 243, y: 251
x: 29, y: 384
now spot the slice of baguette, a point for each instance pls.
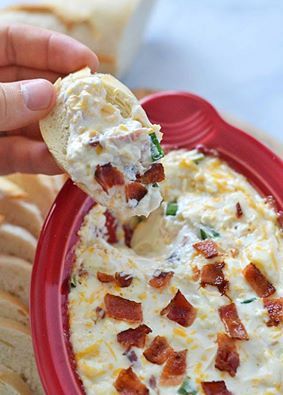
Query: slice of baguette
x: 17, y: 241
x: 21, y: 213
x: 112, y: 29
x: 11, y: 190
x: 16, y: 352
x: 38, y: 188
x: 15, y: 274
x: 12, y: 384
x: 13, y: 308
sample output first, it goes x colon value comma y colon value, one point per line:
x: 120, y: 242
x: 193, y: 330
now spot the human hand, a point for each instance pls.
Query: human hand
x: 33, y: 57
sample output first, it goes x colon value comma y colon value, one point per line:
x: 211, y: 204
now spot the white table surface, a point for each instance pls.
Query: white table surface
x: 228, y: 51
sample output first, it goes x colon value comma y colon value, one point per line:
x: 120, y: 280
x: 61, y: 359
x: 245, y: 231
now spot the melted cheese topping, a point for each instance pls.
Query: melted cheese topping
x: 206, y: 193
x: 123, y: 140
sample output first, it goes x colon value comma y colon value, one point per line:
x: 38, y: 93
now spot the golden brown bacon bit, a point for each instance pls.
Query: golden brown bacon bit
x: 133, y: 337
x: 208, y: 248
x: 154, y: 174
x: 128, y: 234
x: 232, y: 323
x: 259, y: 283
x: 104, y: 277
x: 128, y: 383
x: 180, y: 310
x: 158, y: 351
x: 227, y: 358
x: 111, y: 226
x: 161, y: 280
x: 239, y: 211
x: 212, y: 274
x: 196, y: 273
x: 135, y: 191
x: 123, y: 280
x: 215, y: 388
x: 100, y: 313
x: 123, y: 309
x: 108, y: 176
x: 174, y: 369
x: 275, y: 311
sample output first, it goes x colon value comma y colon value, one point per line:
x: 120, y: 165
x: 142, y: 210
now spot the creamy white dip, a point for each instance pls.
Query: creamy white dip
x: 206, y: 191
x: 103, y: 132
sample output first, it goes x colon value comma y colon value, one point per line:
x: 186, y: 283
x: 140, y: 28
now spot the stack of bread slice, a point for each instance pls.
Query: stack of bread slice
x: 24, y: 202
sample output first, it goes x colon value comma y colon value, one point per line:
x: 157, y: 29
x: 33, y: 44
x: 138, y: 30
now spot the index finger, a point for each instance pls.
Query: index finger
x: 39, y: 48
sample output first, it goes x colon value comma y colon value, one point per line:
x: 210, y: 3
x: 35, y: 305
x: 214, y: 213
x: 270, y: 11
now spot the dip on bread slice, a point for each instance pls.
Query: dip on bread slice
x: 100, y: 135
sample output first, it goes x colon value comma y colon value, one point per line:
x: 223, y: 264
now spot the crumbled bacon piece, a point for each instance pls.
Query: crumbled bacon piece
x: 206, y: 150
x: 128, y: 383
x: 280, y: 219
x: 128, y: 234
x: 108, y: 176
x: 174, y: 369
x: 161, y: 280
x: 154, y: 174
x: 227, y: 358
x: 215, y: 388
x: 180, y: 310
x: 232, y: 323
x: 104, y: 277
x: 135, y: 191
x: 133, y: 337
x: 239, y: 211
x: 196, y: 273
x: 259, y: 283
x: 208, y: 248
x: 123, y: 279
x: 158, y: 351
x: 212, y: 274
x: 111, y: 226
x: 123, y: 309
x: 275, y: 311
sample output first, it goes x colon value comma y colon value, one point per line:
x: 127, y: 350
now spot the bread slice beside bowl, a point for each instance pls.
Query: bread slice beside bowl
x: 16, y: 352
x: 11, y: 383
x: 15, y: 274
x: 13, y: 308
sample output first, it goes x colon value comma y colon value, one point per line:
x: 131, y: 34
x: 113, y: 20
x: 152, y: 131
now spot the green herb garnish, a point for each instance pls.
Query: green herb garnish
x: 187, y: 387
x: 156, y: 150
x: 74, y: 281
x: 248, y: 301
x: 197, y: 156
x: 208, y: 233
x: 171, y: 208
x: 155, y: 185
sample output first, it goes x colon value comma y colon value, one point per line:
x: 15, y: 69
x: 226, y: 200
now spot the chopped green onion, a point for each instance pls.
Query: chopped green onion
x: 248, y: 301
x: 74, y: 281
x: 197, y: 156
x: 156, y: 150
x: 208, y: 233
x: 171, y: 208
x: 187, y: 387
x: 155, y: 185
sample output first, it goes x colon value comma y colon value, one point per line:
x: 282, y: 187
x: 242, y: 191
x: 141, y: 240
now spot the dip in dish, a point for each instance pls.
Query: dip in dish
x: 195, y: 305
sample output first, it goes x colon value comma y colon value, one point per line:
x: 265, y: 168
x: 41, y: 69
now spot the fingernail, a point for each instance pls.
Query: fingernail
x: 37, y: 94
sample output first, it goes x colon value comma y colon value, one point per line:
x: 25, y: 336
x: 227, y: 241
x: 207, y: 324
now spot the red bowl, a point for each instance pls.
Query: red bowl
x: 186, y: 120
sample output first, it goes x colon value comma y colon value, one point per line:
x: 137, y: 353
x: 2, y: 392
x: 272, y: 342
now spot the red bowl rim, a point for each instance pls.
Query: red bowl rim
x: 49, y: 284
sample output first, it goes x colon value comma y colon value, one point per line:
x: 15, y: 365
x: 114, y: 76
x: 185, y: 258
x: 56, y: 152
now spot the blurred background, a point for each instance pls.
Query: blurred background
x: 229, y: 52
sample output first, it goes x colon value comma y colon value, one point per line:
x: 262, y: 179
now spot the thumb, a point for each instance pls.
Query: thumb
x: 24, y: 102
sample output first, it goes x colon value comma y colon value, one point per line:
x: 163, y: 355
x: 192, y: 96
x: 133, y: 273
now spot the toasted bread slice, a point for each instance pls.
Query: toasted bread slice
x: 17, y: 241
x: 13, y: 308
x: 38, y: 189
x: 15, y: 274
x: 21, y: 213
x: 11, y: 190
x: 16, y: 352
x: 12, y: 384
x: 108, y: 150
